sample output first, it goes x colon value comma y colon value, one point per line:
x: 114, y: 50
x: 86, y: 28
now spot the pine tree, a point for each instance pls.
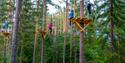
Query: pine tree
x: 15, y: 32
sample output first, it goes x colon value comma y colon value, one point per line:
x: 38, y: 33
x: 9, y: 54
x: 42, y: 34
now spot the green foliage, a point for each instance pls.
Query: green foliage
x: 97, y: 42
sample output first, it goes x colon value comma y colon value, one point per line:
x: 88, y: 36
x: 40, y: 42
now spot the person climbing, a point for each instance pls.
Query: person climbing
x: 5, y: 25
x: 89, y: 8
x: 71, y: 15
x: 50, y: 27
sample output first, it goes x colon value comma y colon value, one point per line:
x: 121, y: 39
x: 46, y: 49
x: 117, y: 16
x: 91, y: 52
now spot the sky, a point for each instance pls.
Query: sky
x: 53, y: 10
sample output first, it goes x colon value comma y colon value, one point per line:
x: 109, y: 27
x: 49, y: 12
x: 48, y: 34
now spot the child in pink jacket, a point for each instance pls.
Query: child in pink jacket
x: 50, y: 27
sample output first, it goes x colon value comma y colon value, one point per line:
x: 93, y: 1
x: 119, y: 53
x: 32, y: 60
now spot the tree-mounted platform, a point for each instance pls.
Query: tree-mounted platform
x: 6, y: 34
x: 81, y: 23
x: 42, y: 33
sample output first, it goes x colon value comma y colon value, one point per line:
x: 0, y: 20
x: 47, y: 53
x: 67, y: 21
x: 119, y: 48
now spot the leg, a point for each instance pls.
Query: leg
x: 50, y: 30
x: 70, y: 23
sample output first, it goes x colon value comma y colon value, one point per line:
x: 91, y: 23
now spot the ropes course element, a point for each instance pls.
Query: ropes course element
x: 42, y: 33
x: 81, y: 23
x: 5, y: 30
x: 6, y: 34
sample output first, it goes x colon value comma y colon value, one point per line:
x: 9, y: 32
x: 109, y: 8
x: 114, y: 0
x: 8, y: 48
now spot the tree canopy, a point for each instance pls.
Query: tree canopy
x: 103, y: 39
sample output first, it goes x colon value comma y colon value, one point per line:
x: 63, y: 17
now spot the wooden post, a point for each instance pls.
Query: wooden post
x: 36, y: 32
x: 4, y: 51
x: 71, y: 41
x: 9, y: 15
x: 15, y: 32
x: 71, y: 47
x: 75, y: 49
x: 43, y: 29
x: 65, y: 30
x: 81, y: 54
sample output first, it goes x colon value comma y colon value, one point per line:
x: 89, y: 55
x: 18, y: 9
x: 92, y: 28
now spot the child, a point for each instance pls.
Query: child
x: 50, y: 27
x: 89, y: 8
x: 5, y: 25
x: 71, y: 15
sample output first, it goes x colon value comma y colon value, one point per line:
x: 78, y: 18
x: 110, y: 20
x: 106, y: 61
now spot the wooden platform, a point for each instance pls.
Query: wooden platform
x: 42, y: 33
x: 6, y: 34
x: 81, y: 23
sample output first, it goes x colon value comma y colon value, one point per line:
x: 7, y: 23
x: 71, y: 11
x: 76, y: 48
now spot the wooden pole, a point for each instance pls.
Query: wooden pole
x: 65, y: 30
x: 36, y: 32
x: 15, y: 32
x: 9, y: 15
x: 75, y: 49
x: 4, y: 51
x: 71, y: 43
x: 81, y: 54
x: 60, y: 22
x: 43, y: 29
x: 71, y: 47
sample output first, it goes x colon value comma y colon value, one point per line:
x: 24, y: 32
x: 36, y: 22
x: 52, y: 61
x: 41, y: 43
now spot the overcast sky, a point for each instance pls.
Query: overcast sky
x: 53, y: 10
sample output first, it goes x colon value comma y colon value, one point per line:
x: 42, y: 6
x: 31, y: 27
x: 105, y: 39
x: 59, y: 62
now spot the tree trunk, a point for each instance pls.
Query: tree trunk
x: 6, y: 39
x: 75, y: 49
x: 75, y: 6
x: 44, y: 15
x: 65, y: 30
x: 81, y: 55
x: 60, y: 22
x: 112, y: 27
x: 112, y: 36
x: 36, y: 32
x: 9, y: 14
x: 43, y: 28
x: 42, y: 51
x: 21, y: 53
x: 8, y: 49
x: 71, y: 47
x: 15, y: 32
x: 75, y: 54
x: 4, y: 51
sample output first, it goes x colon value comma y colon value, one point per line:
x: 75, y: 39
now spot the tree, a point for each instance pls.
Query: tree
x: 65, y: 30
x: 109, y: 14
x: 15, y: 32
x: 36, y: 32
x: 81, y: 54
x: 43, y: 28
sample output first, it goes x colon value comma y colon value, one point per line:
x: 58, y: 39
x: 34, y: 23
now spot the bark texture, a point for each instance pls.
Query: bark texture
x: 15, y: 32
x: 81, y: 54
